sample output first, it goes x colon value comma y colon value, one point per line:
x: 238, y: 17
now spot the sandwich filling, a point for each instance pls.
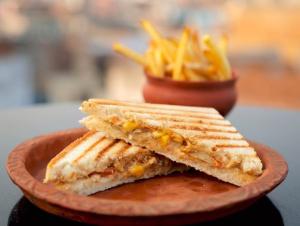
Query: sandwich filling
x: 166, y: 140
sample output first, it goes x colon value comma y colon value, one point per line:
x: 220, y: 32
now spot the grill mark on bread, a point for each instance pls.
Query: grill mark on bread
x: 199, y: 128
x: 107, y: 148
x: 123, y: 149
x: 70, y: 147
x: 197, y: 115
x: 153, y: 106
x: 218, y: 138
x: 205, y: 134
x: 231, y: 146
x: 226, y: 146
x: 183, y: 119
x: 200, y: 121
x: 114, y: 151
x: 189, y: 126
x: 89, y: 148
x: 177, y: 123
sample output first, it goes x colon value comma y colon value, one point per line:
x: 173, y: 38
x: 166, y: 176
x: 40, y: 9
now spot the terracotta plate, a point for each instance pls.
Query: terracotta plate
x: 177, y: 199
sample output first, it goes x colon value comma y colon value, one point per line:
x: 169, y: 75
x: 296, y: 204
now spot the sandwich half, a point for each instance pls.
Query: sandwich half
x: 95, y: 163
x: 196, y: 136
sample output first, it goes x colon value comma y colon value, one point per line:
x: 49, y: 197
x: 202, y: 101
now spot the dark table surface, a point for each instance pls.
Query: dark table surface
x: 279, y: 129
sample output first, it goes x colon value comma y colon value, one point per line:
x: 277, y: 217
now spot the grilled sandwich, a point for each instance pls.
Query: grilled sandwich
x: 95, y: 163
x: 196, y: 136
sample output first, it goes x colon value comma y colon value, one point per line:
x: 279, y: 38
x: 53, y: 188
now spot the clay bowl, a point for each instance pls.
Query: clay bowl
x: 220, y: 95
x: 177, y: 199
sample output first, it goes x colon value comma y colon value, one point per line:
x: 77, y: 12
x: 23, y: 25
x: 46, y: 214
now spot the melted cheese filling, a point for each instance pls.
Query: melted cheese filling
x: 170, y: 141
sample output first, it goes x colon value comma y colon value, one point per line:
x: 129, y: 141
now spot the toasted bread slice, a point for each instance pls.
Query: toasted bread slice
x: 94, y: 163
x: 198, y: 137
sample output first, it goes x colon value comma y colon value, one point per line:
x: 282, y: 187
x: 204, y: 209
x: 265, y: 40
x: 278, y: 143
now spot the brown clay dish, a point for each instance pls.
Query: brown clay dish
x: 177, y: 199
x: 221, y: 95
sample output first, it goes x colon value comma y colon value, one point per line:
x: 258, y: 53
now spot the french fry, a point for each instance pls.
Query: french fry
x: 197, y: 45
x: 156, y: 59
x: 170, y: 46
x: 215, y: 62
x: 212, y: 71
x: 217, y: 57
x: 152, y: 65
x: 208, y: 71
x: 192, y: 54
x: 147, y: 26
x: 189, y: 53
x: 129, y: 53
x: 192, y: 75
x: 200, y: 68
x: 159, y: 62
x: 169, y: 67
x: 173, y: 41
x: 180, y: 53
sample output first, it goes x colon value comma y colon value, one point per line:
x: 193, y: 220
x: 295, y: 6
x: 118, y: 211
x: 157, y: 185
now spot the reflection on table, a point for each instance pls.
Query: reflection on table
x: 260, y: 213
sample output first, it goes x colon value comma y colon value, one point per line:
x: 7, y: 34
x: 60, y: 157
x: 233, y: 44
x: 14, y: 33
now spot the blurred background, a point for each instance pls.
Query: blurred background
x: 60, y: 50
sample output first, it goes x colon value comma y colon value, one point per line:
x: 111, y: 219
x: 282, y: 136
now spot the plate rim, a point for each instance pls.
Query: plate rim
x: 275, y: 171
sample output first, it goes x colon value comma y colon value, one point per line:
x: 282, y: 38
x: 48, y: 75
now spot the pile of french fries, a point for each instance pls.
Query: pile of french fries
x: 189, y: 58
